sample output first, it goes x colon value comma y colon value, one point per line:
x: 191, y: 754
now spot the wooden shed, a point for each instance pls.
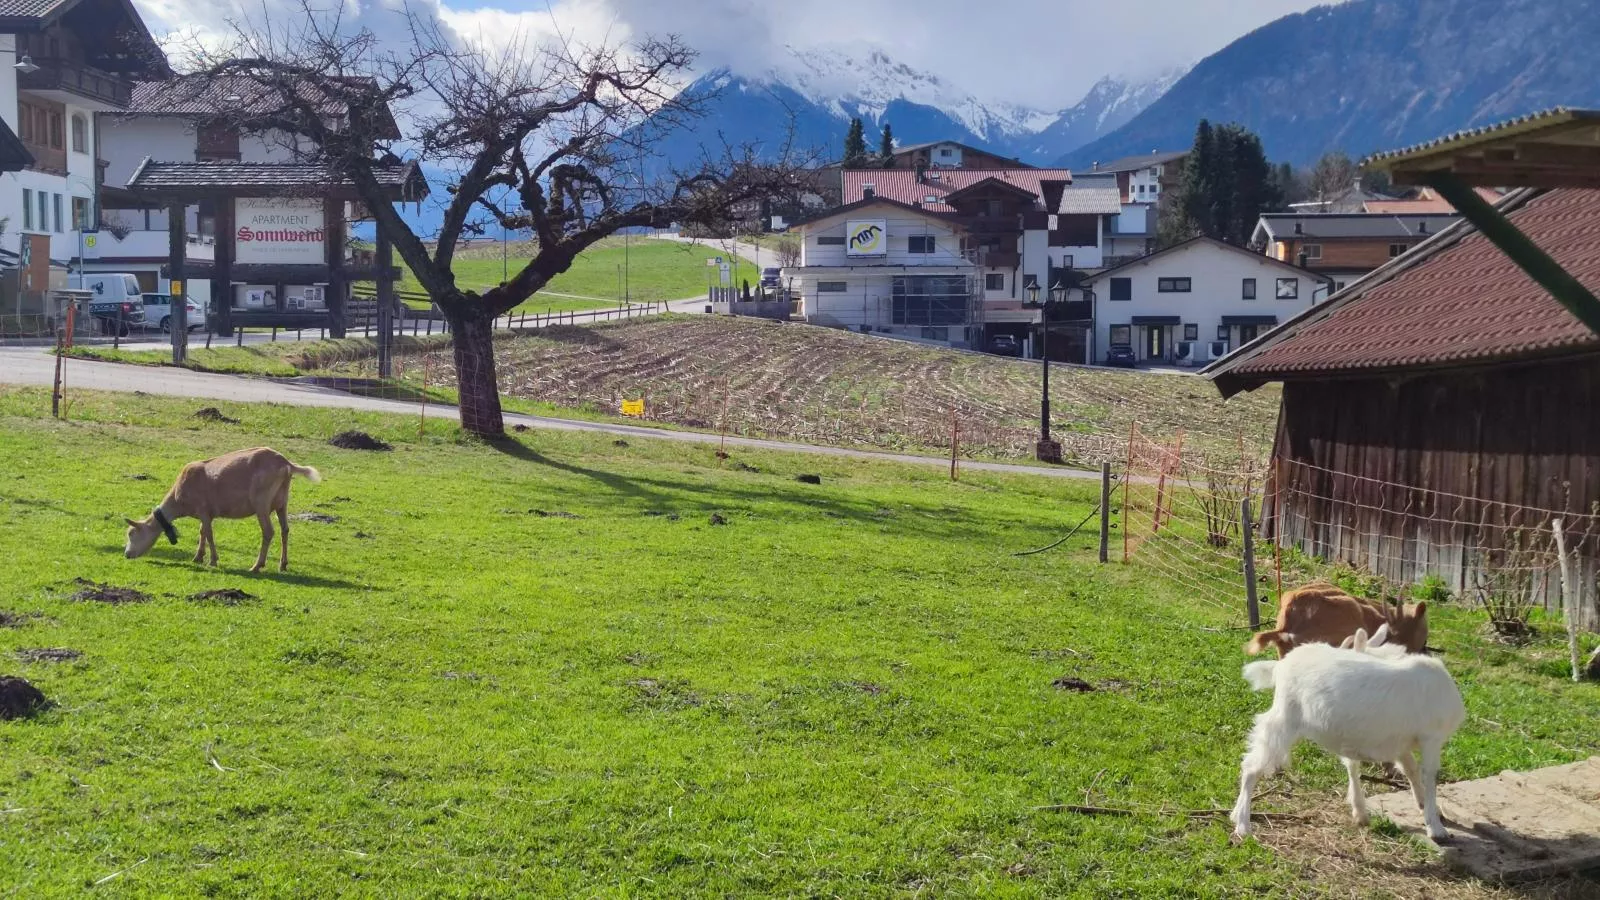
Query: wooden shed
x: 1439, y: 413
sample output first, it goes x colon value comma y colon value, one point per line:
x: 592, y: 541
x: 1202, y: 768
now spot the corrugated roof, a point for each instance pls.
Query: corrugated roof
x: 902, y: 184
x: 301, y: 179
x: 1535, y: 121
x: 1142, y: 161
x: 35, y: 9
x: 1281, y: 226
x: 1090, y: 201
x: 1456, y: 300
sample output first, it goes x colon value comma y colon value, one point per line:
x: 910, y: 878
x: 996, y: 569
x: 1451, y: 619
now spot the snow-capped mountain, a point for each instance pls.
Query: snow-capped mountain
x: 819, y: 90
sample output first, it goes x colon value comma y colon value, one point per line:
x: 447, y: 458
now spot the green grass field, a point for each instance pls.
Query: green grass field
x: 542, y: 668
x: 656, y: 270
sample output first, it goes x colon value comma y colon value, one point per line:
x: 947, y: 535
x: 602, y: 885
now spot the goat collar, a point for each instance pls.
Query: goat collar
x: 166, y: 526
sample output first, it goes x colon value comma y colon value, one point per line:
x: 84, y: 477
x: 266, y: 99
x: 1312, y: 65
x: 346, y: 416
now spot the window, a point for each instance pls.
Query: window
x: 56, y: 141
x: 27, y: 209
x: 55, y: 205
x: 945, y: 151
x: 992, y: 208
x: 1172, y: 285
x: 994, y: 281
x: 80, y: 214
x: 930, y: 301
x: 1121, y: 335
x: 831, y: 240
x: 80, y: 134
x: 44, y: 211
x: 868, y: 191
x: 1396, y: 250
x: 1338, y: 285
x: 1313, y: 251
x: 1249, y: 289
x: 831, y: 287
x: 1122, y: 288
x: 919, y: 243
x: 1222, y: 332
x: 1288, y: 288
x: 930, y: 198
x: 1191, y: 331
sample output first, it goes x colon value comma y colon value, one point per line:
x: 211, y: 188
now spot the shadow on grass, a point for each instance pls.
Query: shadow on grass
x: 269, y: 573
x: 517, y: 450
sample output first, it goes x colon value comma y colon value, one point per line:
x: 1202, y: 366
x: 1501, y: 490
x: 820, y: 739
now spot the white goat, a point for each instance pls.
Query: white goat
x: 1369, y: 702
x: 235, y: 485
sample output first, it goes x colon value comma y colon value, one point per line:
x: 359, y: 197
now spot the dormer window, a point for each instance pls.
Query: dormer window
x: 868, y: 191
x: 929, y: 198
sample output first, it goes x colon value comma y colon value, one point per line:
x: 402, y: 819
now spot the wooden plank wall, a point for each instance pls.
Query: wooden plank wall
x: 1435, y: 474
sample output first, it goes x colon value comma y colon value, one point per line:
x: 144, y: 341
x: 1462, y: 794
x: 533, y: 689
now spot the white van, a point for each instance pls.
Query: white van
x: 115, y: 300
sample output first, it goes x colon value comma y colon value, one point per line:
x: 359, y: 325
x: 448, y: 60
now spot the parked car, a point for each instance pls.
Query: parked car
x: 1005, y: 345
x: 1121, y: 356
x: 158, y: 312
x: 114, y: 302
x: 769, y: 277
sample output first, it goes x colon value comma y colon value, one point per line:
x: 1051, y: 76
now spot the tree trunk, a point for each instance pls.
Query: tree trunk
x: 472, y: 337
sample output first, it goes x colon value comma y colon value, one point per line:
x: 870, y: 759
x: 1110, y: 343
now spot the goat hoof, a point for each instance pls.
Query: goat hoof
x: 1239, y: 836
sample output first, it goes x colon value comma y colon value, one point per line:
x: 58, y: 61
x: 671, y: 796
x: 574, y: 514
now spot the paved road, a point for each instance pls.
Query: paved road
x: 33, y: 366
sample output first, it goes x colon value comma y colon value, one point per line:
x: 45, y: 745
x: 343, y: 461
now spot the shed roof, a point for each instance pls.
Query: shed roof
x: 1557, y: 147
x: 1453, y: 302
x: 14, y: 157
x: 902, y: 184
x: 235, y: 95
x: 191, y: 180
x: 1094, y: 200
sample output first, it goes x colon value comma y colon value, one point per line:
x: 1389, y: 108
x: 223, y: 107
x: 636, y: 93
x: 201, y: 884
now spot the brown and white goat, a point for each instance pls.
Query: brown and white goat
x: 1321, y: 613
x: 235, y: 485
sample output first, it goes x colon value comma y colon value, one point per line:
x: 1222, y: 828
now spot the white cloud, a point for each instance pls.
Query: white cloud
x: 1042, y: 53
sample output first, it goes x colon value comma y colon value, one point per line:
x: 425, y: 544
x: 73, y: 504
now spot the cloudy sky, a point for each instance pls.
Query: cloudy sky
x: 1042, y: 53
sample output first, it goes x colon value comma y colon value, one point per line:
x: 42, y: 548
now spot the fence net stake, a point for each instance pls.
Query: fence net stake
x: 1105, y: 510
x: 1249, y: 565
x: 1569, y: 600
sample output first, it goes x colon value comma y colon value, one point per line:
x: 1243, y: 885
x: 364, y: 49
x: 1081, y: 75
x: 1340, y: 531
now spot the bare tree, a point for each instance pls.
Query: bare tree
x: 551, y: 139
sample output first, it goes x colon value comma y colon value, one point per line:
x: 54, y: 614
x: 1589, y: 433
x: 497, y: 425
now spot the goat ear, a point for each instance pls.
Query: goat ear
x: 131, y: 523
x: 1420, y: 610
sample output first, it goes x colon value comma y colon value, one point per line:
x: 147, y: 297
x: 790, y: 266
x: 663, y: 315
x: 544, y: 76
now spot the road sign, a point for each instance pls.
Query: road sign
x: 91, y: 245
x: 633, y: 407
x: 727, y: 275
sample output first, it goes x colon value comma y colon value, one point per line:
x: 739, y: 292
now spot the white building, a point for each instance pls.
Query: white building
x: 62, y: 63
x: 1195, y: 301
x: 884, y: 266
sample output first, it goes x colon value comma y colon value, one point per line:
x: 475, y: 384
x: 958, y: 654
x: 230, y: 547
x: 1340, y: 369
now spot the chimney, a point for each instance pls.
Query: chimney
x: 922, y: 171
x: 1299, y: 229
x: 1304, y: 259
x: 1422, y: 226
x: 868, y: 191
x: 1094, y: 166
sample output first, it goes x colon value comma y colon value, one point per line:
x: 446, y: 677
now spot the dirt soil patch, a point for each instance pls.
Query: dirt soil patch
x: 94, y: 592
x: 212, y: 414
x: 15, y: 620
x: 19, y: 699
x: 1068, y: 683
x: 48, y: 654
x: 322, y: 518
x: 808, y: 479
x: 358, y: 440
x: 554, y: 514
x: 224, y: 597
x: 718, y: 519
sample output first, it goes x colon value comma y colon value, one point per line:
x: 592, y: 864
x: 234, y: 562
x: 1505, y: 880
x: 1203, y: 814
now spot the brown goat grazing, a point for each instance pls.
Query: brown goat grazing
x: 234, y: 485
x: 1321, y: 613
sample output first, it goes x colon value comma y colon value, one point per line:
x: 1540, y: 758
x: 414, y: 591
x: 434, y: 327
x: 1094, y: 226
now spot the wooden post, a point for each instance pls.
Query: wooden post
x: 338, y: 287
x: 727, y: 394
x: 1105, y: 510
x: 55, y: 390
x: 1569, y: 600
x: 221, y: 317
x: 955, y: 444
x: 177, y: 246
x: 385, y: 258
x: 1249, y: 564
x: 424, y: 419
x: 1127, y: 476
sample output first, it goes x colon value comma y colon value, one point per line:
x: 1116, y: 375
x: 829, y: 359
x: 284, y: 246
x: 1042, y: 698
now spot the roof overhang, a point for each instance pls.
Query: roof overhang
x: 188, y: 182
x: 1556, y: 148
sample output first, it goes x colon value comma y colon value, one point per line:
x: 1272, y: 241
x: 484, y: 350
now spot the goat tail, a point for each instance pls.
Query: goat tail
x: 1260, y: 675
x: 305, y: 472
x: 1262, y: 640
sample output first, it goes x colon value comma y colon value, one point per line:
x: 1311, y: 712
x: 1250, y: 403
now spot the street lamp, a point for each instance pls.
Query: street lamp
x: 1047, y: 450
x: 25, y: 65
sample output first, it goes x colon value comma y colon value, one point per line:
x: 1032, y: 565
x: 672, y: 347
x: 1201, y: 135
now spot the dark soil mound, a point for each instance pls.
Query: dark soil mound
x: 322, y: 518
x: 48, y: 654
x: 223, y: 596
x: 13, y: 620
x: 555, y: 514
x: 1067, y: 683
x: 357, y: 440
x: 808, y: 479
x: 106, y: 593
x: 19, y: 699
x: 212, y: 414
x: 717, y: 519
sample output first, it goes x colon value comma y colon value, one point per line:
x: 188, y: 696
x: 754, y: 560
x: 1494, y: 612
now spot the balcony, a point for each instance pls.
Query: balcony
x: 994, y: 224
x: 1000, y: 259
x: 65, y: 81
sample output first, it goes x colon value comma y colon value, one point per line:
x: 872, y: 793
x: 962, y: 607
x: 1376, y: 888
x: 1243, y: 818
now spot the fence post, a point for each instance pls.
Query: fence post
x: 1249, y: 564
x: 1105, y: 510
x: 955, y: 439
x: 1569, y: 600
x: 55, y: 391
